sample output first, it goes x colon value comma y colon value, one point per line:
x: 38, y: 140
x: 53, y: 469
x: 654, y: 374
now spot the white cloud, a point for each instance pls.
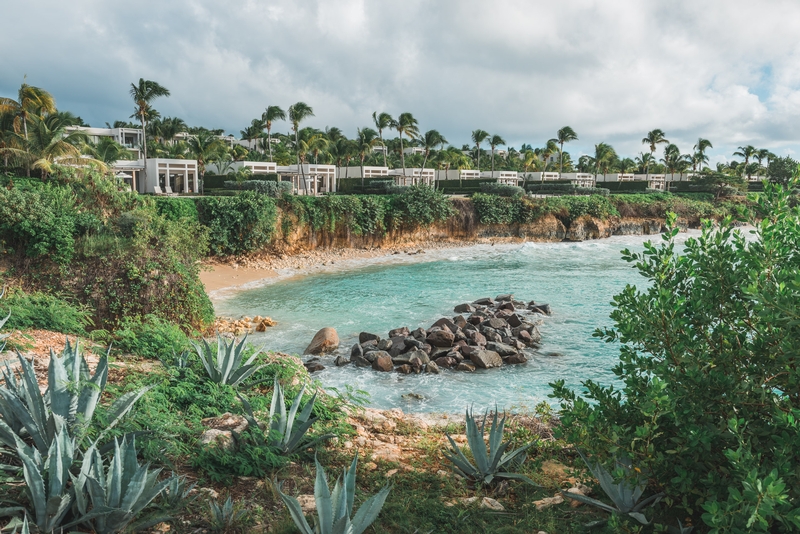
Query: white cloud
x: 722, y: 69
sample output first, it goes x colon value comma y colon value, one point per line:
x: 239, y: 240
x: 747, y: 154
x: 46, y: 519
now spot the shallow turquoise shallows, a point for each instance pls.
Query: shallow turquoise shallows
x: 577, y: 279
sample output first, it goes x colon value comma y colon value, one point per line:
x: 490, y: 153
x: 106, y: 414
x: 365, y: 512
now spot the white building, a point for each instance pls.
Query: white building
x: 130, y: 138
x: 256, y: 167
x: 579, y: 179
x: 463, y: 174
x: 413, y: 176
x: 369, y: 172
x: 618, y: 177
x: 654, y: 181
x: 503, y: 177
x: 542, y: 176
x: 310, y: 179
x: 414, y: 150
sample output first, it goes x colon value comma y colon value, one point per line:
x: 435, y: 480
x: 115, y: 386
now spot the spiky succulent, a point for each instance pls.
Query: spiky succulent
x: 625, y: 493
x: 227, y: 367
x: 334, y: 510
x: 491, y: 464
x: 224, y: 517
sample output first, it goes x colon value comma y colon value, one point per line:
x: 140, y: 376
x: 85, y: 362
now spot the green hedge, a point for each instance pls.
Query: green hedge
x: 217, y: 181
x: 565, y: 189
x: 238, y: 224
x: 492, y: 209
x: 175, y: 209
x: 614, y: 187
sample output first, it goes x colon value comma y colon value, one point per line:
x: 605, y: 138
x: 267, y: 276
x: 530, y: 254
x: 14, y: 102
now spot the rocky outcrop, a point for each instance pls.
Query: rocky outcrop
x: 324, y: 342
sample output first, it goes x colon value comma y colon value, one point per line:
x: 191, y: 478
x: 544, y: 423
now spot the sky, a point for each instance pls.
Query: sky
x: 725, y: 70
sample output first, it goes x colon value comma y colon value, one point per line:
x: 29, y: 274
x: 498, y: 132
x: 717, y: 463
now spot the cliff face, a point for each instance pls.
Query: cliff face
x: 463, y: 227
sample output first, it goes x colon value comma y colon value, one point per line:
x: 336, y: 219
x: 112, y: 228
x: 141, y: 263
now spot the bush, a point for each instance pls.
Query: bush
x: 239, y: 224
x: 708, y: 406
x: 270, y: 188
x: 47, y: 312
x: 492, y: 209
x: 175, y: 209
x: 421, y: 205
x: 565, y: 189
x: 502, y: 190
x: 151, y: 337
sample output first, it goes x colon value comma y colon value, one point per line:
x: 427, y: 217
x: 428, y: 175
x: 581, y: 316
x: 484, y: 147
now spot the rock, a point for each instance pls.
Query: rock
x: 408, y: 356
x: 385, y: 344
x: 341, y: 360
x: 485, y: 359
x: 363, y: 337
x: 475, y: 319
x: 503, y: 314
x: 412, y: 396
x: 459, y: 321
x: 516, y: 359
x: 464, y: 308
x: 383, y: 363
x: 373, y: 355
x: 464, y: 366
x: 432, y: 368
x: 398, y: 346
x: 544, y: 504
x: 493, y: 336
x: 361, y: 361
x: 307, y: 503
x: 416, y: 364
x: 413, y: 343
x: 357, y: 350
x: 504, y: 298
x: 313, y: 366
x: 544, y: 309
x: 525, y: 337
x: 402, y: 331
x: 460, y: 335
x: 491, y: 504
x: 576, y: 491
x: 324, y: 341
x: 468, y: 350
x: 370, y: 344
x: 419, y: 334
x: 514, y: 320
x: 405, y: 369
x: 445, y: 324
x: 445, y: 362
x: 477, y: 338
x: 507, y: 306
x: 483, y: 302
x: 455, y: 355
x: 495, y: 323
x: 501, y: 348
x: 220, y: 438
x: 264, y: 323
x: 441, y: 338
x: 425, y: 347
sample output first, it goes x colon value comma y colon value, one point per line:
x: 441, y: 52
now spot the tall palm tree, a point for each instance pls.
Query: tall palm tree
x: 272, y: 113
x: 604, y: 156
x: 51, y: 143
x: 746, y: 152
x: 700, y: 153
x: 430, y: 141
x: 366, y: 139
x: 478, y: 137
x: 564, y: 135
x: 316, y: 142
x: 165, y: 130
x: 653, y: 139
x: 108, y: 151
x: 382, y: 121
x: 143, y: 95
x: 644, y: 160
x: 205, y: 147
x: 298, y: 112
x: 405, y: 124
x: 31, y: 101
x: 254, y: 131
x: 494, y: 142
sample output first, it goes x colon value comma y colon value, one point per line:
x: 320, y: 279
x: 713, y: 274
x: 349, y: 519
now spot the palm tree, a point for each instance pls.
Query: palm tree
x: 316, y: 143
x: 366, y: 139
x: 143, y: 94
x: 205, y: 146
x: 31, y: 101
x: 478, y: 137
x: 298, y: 112
x: 382, y: 121
x: 746, y: 152
x: 644, y: 160
x: 604, y: 156
x: 51, y: 143
x: 494, y: 142
x: 564, y: 135
x: 273, y: 113
x: 430, y: 141
x: 405, y: 124
x: 254, y: 131
x: 165, y: 130
x: 653, y: 139
x: 107, y: 150
x: 700, y: 153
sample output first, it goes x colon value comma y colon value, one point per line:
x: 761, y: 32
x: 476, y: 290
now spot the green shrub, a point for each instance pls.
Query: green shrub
x: 421, y: 205
x: 502, y: 190
x: 175, y: 209
x: 707, y: 405
x: 360, y: 214
x: 240, y: 224
x: 151, y: 337
x: 46, y: 312
x: 265, y: 187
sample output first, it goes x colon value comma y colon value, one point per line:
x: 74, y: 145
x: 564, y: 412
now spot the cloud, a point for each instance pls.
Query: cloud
x: 726, y: 70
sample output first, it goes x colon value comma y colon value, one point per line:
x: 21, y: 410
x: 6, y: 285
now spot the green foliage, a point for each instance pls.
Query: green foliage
x: 224, y: 518
x: 721, y: 184
x: 238, y: 224
x: 334, y: 510
x: 492, y: 464
x: 151, y: 337
x: 421, y: 205
x: 492, y: 209
x: 565, y: 189
x: 711, y: 338
x: 360, y: 215
x: 265, y: 187
x: 502, y: 190
x: 227, y: 365
x: 47, y: 312
x: 781, y: 169
x: 246, y: 459
x: 176, y: 209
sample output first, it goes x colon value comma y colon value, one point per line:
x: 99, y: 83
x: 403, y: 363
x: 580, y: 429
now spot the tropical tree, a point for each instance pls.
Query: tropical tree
x: 298, y: 112
x: 366, y: 139
x: 478, y: 137
x: 405, y: 124
x: 164, y: 130
x: 31, y: 101
x: 107, y: 150
x: 205, y: 147
x: 316, y: 142
x: 143, y: 95
x: 254, y: 131
x: 746, y: 152
x: 564, y: 135
x: 700, y: 156
x: 50, y: 142
x: 272, y: 113
x: 495, y: 141
x: 430, y: 141
x: 382, y: 122
x: 604, y: 156
x: 643, y: 161
x: 653, y: 139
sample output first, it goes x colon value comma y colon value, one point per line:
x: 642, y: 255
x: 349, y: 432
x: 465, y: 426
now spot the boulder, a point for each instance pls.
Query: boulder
x: 503, y: 314
x: 408, y: 356
x: 464, y: 308
x: 413, y: 343
x: 495, y: 323
x: 464, y: 366
x: 544, y: 309
x: 459, y: 321
x: 405, y: 369
x: 486, y: 359
x: 398, y: 346
x: 493, y: 336
x: 509, y: 306
x: 477, y: 338
x: 441, y: 338
x: 468, y: 350
x: 341, y: 360
x: 383, y: 363
x: 357, y: 350
x: 514, y: 320
x: 324, y: 341
x: 457, y: 356
x: 361, y: 361
x: 525, y: 337
x: 312, y: 366
x: 419, y: 334
x: 432, y: 368
x: 445, y: 324
x: 384, y: 344
x: 504, y: 298
x: 366, y: 336
x: 416, y: 364
x: 475, y: 319
x: 372, y: 354
x: 219, y: 438
x: 483, y: 302
x: 370, y: 344
x: 427, y: 348
x: 264, y: 323
x: 501, y: 348
x: 515, y: 359
x: 445, y: 362
x: 402, y: 331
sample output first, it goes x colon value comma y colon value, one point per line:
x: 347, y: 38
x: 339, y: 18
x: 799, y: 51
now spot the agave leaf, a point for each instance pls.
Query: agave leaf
x: 350, y: 484
x: 369, y: 511
x: 243, y: 373
x: 120, y: 408
x: 496, y: 433
x: 339, y: 499
x: 292, y: 413
x: 322, y: 496
x: 516, y: 476
x: 90, y: 394
x: 639, y: 517
x: 289, y: 443
x: 34, y: 480
x: 342, y: 526
x: 476, y: 443
x: 295, y: 511
x: 653, y: 499
x: 58, y: 383
x: 460, y: 461
x: 588, y: 500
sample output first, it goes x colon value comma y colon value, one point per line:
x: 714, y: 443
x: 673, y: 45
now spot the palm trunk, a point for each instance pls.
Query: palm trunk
x: 561, y: 161
x: 478, y: 151
x: 492, y: 163
x: 380, y: 134
x: 297, y: 157
x: 402, y: 155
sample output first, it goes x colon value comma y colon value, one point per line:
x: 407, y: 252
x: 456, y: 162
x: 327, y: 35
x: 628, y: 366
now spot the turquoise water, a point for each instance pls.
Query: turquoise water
x: 577, y: 279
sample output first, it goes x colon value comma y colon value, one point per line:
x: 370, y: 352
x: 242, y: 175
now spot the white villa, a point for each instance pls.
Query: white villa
x: 256, y: 167
x: 318, y: 178
x: 503, y: 177
x: 414, y: 150
x: 462, y: 174
x: 130, y: 138
x: 170, y: 176
x: 369, y: 172
x: 579, y: 179
x: 413, y: 176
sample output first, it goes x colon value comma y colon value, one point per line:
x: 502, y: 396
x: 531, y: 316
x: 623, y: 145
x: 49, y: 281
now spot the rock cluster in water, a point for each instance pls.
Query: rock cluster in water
x: 487, y: 333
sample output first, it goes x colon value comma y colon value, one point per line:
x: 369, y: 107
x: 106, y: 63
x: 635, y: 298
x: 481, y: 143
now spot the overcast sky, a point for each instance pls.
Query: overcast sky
x: 727, y: 70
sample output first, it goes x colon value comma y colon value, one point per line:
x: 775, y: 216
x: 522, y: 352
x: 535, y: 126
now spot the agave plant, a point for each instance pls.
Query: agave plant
x: 287, y: 432
x: 69, y: 402
x: 224, y: 517
x: 625, y: 494
x: 227, y: 367
x: 178, y: 493
x: 493, y: 463
x: 4, y: 336
x: 119, y: 495
x: 334, y: 510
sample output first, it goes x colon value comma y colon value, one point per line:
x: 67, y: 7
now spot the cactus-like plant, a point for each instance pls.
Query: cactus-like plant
x: 491, y: 464
x: 119, y: 495
x: 287, y: 431
x: 69, y: 402
x: 334, y: 510
x: 224, y: 517
x: 625, y: 493
x: 227, y: 367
